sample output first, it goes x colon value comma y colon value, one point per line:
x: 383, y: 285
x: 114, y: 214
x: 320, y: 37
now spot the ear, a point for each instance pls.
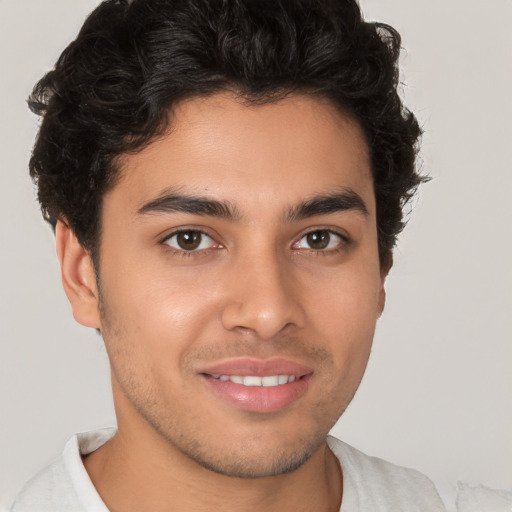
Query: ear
x: 385, y: 267
x: 78, y: 276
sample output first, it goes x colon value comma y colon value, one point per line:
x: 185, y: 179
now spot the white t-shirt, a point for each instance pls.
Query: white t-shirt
x: 369, y: 484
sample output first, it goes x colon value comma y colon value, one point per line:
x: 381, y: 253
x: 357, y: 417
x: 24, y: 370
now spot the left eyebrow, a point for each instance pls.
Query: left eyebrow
x: 345, y: 200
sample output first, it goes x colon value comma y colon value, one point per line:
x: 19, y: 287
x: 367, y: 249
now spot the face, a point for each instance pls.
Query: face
x: 240, y: 281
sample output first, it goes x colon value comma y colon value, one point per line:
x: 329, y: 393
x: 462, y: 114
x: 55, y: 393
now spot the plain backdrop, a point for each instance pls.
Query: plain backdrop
x: 437, y: 394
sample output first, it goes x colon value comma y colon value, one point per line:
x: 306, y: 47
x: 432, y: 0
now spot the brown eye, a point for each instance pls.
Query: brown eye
x: 190, y: 240
x: 320, y: 240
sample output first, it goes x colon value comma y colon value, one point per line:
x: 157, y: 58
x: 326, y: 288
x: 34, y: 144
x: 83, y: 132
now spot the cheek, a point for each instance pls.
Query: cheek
x: 347, y: 302
x: 344, y: 311
x: 153, y: 315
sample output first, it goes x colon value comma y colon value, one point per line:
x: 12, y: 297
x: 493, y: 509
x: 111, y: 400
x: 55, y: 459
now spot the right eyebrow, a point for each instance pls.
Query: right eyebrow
x: 196, y: 205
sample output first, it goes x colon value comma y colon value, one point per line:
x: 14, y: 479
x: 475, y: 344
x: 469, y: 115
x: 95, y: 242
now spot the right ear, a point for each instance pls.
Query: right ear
x: 78, y: 276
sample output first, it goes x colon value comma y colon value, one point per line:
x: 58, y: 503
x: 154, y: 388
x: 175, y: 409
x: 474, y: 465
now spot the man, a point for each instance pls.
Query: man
x: 226, y: 182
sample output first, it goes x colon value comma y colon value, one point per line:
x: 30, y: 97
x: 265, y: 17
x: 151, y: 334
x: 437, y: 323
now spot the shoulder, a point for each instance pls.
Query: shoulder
x: 370, y: 483
x: 472, y: 498
x: 50, y: 489
x: 65, y: 484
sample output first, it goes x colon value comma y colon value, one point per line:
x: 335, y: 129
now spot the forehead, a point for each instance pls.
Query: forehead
x: 272, y: 154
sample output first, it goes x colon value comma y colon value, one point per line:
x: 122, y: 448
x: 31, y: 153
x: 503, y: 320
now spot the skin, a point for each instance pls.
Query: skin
x: 255, y: 287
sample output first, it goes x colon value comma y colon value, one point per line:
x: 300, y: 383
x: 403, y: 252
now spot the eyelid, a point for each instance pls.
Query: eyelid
x: 344, y: 239
x: 165, y: 235
x: 184, y: 229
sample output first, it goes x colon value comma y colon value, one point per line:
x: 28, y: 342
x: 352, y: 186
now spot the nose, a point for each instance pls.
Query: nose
x: 262, y: 296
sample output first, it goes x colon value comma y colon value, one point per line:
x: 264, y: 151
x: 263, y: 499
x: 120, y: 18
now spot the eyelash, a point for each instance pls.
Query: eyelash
x: 183, y: 252
x: 343, y: 244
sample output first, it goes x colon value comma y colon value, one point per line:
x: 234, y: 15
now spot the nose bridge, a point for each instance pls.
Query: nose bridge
x: 261, y: 297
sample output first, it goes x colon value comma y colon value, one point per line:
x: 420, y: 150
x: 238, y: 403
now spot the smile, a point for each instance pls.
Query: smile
x: 257, y: 385
x: 268, y: 381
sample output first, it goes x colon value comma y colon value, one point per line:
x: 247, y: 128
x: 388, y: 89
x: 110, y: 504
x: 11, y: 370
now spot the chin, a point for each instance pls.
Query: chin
x: 256, y: 459
x: 249, y: 467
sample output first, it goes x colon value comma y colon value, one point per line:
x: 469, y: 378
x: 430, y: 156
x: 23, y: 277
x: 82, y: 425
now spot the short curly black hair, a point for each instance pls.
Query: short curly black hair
x: 112, y: 89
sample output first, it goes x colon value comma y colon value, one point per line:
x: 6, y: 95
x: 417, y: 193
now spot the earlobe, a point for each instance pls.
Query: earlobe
x: 386, y: 265
x: 382, y: 299
x: 78, y: 276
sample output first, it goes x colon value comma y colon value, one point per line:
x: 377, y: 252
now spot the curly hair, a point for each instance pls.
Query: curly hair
x: 112, y: 88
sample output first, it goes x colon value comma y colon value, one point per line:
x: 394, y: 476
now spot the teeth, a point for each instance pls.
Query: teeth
x: 253, y: 380
x: 271, y: 380
x: 250, y: 380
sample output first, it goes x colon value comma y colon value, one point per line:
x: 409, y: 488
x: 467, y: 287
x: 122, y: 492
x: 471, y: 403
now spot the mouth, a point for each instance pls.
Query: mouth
x: 258, y: 385
x: 268, y: 381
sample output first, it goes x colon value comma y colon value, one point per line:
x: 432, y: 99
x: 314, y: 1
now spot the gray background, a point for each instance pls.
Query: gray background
x: 438, y: 391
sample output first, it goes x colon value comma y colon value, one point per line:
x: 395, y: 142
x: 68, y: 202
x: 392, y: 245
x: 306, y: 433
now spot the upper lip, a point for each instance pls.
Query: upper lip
x: 244, y: 366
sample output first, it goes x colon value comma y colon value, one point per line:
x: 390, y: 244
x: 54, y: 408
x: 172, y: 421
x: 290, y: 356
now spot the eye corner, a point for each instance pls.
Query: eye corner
x: 189, y: 241
x: 322, y: 240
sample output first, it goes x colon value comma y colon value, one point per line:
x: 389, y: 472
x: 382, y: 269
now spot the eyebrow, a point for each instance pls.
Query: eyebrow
x: 342, y: 201
x: 192, y: 204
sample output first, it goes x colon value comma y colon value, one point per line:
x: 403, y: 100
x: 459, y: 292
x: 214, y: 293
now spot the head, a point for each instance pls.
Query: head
x: 114, y: 88
x: 209, y: 109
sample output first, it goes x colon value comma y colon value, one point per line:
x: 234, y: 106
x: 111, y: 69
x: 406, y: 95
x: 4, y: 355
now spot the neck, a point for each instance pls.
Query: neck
x: 139, y: 470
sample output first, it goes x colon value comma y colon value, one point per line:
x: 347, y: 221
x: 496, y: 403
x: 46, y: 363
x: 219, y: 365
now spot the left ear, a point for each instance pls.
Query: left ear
x: 385, y: 267
x: 78, y: 276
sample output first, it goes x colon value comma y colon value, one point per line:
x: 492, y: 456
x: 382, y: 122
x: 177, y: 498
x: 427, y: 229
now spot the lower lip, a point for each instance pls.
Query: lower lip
x: 258, y: 398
